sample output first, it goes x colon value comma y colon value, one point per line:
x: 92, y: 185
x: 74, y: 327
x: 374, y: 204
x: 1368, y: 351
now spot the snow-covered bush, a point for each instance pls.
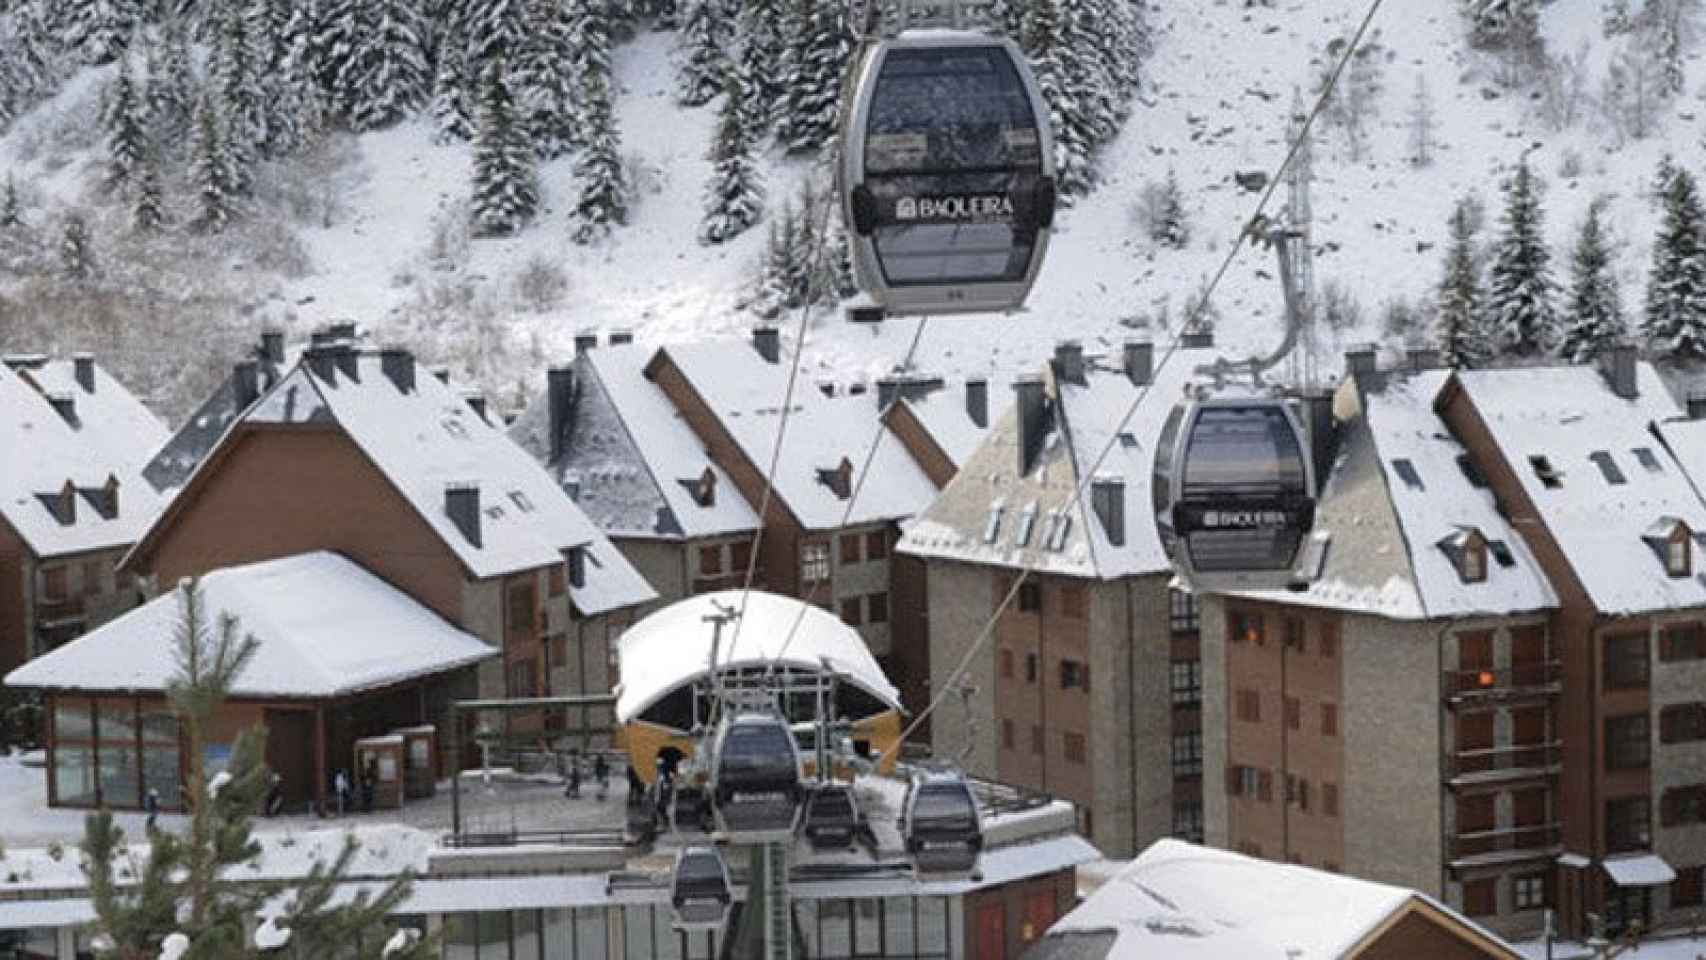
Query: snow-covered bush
x: 1338, y: 307
x: 540, y: 284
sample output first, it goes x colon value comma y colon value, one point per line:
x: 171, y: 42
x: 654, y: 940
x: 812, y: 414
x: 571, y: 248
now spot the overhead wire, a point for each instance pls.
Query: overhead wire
x: 1189, y: 323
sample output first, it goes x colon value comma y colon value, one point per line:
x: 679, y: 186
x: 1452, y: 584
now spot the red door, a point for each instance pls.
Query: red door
x: 1039, y: 916
x: 990, y: 932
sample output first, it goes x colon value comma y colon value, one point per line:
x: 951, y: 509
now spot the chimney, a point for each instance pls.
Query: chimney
x: 1696, y: 405
x: 620, y: 337
x: 109, y: 497
x: 342, y: 330
x: 272, y: 346
x: 888, y: 388
x: 572, y: 485
x: 65, y: 405
x: 1315, y: 409
x: 462, y: 504
x: 319, y: 359
x: 1033, y: 419
x: 1359, y: 362
x: 83, y: 365
x: 826, y: 387
x: 1196, y: 339
x: 441, y: 374
x: 1139, y: 361
x: 1421, y: 358
x: 477, y: 403
x: 1618, y: 366
x: 1069, y: 361
x: 319, y: 338
x: 767, y: 340
x: 585, y: 341
x: 577, y: 566
x: 398, y: 365
x: 245, y: 383
x: 1107, y: 498
x: 977, y: 401
x: 559, y: 407
x: 348, y: 361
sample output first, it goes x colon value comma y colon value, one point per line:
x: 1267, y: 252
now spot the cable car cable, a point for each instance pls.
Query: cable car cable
x: 988, y: 629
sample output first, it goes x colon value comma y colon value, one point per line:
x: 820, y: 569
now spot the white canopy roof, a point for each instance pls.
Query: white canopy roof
x: 672, y: 647
x: 1639, y: 870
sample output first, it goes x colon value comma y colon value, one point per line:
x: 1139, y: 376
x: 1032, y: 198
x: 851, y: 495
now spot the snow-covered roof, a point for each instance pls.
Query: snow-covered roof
x: 944, y: 416
x: 326, y: 627
x: 745, y: 393
x: 673, y: 646
x: 426, y: 439
x: 1086, y: 417
x: 1593, y: 467
x: 633, y: 456
x: 174, y: 461
x: 1181, y: 900
x: 112, y: 437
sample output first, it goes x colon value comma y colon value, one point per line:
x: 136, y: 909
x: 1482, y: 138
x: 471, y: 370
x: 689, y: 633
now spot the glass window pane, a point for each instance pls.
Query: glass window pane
x: 559, y: 934
x: 159, y: 728
x: 590, y: 934
x: 636, y: 932
x: 461, y: 937
x: 664, y: 938
x: 805, y: 911
x: 932, y: 926
x: 868, y: 927
x: 117, y: 719
x: 72, y: 719
x: 835, y: 919
x: 120, y: 778
x: 30, y: 943
x: 897, y: 926
x: 74, y: 775
x: 494, y: 934
x: 527, y: 935
x: 160, y: 772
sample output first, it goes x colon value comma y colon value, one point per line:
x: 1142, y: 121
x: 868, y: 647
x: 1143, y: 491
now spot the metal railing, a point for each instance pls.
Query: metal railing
x: 1515, y: 680
x: 1537, y: 837
x: 1513, y: 760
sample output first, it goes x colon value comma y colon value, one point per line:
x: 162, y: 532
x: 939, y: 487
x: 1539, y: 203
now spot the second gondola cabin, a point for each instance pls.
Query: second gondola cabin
x: 947, y: 175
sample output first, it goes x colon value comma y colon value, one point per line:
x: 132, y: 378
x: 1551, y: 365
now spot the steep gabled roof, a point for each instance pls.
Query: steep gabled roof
x: 174, y: 461
x: 945, y: 417
x: 109, y: 440
x: 632, y: 455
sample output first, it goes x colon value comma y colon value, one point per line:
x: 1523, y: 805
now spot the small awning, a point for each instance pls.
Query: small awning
x: 1639, y: 870
x: 1574, y: 861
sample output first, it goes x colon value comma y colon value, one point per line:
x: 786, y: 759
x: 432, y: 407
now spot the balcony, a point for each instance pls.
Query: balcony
x: 1521, y: 681
x: 58, y: 614
x: 1483, y: 848
x: 1515, y: 761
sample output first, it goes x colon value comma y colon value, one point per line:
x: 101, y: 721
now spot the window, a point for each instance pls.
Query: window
x: 93, y: 573
x: 1006, y: 659
x: 1030, y: 668
x: 1297, y: 792
x: 1549, y: 477
x: 1626, y: 661
x: 1058, y: 532
x: 1644, y: 456
x: 521, y: 501
x: 1248, y: 705
x: 1684, y: 641
x: 1036, y: 738
x: 1027, y: 523
x: 1471, y: 472
x: 877, y: 608
x: 1330, y: 799
x: 1242, y: 781
x: 1329, y: 639
x: 1329, y: 719
x: 53, y: 584
x: 1407, y: 472
x: 1030, y: 597
x: 1501, y: 552
x: 1608, y: 468
x: 1187, y: 682
x: 1685, y: 890
x: 521, y: 608
x: 1265, y: 786
x: 554, y: 576
x: 1184, y: 610
x: 1074, y: 745
x: 1676, y: 556
x: 1072, y: 602
x: 1628, y: 824
x: 992, y: 526
x: 521, y: 679
x: 1007, y: 734
x: 1680, y: 806
x: 877, y: 545
x: 710, y: 561
x: 1529, y: 892
x: 1474, y: 563
x: 850, y: 611
x: 1187, y: 754
x: 814, y: 561
x: 1187, y: 821
x: 1682, y: 723
x: 740, y: 555
x: 1074, y: 674
x: 1481, y: 897
x: 1128, y: 439
x: 1293, y: 713
x: 850, y: 552
x: 1246, y: 627
x: 1627, y: 744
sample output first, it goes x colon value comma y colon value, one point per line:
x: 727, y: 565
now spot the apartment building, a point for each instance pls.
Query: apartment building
x: 1398, y: 719
x: 1089, y: 687
x: 72, y: 499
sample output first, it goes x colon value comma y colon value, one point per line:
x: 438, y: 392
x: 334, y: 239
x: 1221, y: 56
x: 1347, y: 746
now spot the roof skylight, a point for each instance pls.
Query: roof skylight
x: 1608, y: 467
x: 1407, y: 472
x: 1644, y: 456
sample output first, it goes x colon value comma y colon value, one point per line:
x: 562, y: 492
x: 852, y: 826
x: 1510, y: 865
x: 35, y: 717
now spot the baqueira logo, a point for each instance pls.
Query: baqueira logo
x: 973, y: 207
x: 1244, y: 518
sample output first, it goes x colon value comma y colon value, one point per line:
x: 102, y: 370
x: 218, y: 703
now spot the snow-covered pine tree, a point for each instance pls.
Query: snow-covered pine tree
x: 210, y: 171
x: 588, y: 31
x: 242, y: 103
x: 1073, y: 140
x: 148, y: 212
x: 1595, y: 320
x: 126, y: 129
x: 96, y: 31
x: 1458, y: 331
x: 11, y: 210
x: 452, y: 107
x: 76, y: 258
x: 300, y: 42
x: 1520, y: 313
x: 779, y: 280
x: 506, y: 193
x: 492, y: 31
x: 171, y: 91
x: 603, y: 199
x: 1088, y: 79
x: 32, y: 57
x: 389, y: 72
x: 1172, y: 225
x: 544, y: 79
x: 329, y: 48
x: 701, y: 56
x: 1422, y: 124
x: 817, y: 65
x: 1674, y: 326
x: 734, y: 199
x: 759, y: 44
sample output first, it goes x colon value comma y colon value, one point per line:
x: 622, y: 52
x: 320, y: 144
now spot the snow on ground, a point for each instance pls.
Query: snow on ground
x: 1671, y: 948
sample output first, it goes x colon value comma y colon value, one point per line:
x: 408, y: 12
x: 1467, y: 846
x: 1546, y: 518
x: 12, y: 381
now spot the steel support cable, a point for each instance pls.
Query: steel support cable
x: 988, y: 629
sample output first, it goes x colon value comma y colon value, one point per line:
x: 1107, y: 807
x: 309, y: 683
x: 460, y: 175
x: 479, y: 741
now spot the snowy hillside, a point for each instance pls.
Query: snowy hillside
x: 381, y: 236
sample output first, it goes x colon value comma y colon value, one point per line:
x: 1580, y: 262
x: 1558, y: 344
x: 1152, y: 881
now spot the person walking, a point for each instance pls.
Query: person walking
x: 151, y: 806
x: 340, y: 786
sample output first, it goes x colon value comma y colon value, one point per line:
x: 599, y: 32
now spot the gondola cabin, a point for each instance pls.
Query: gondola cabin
x: 699, y: 891
x: 940, y: 823
x: 756, y: 785
x: 1237, y: 493
x: 947, y: 176
x: 832, y: 817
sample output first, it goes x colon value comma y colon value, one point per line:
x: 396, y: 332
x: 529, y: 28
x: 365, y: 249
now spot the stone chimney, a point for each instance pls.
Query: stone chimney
x: 348, y: 360
x: 1618, y: 367
x: 572, y: 485
x: 888, y: 390
x: 1421, y: 358
x: 1360, y: 362
x: 441, y: 374
x: 320, y: 362
x: 65, y: 405
x: 767, y: 340
x: 1033, y: 419
x: 1138, y: 358
x: 1107, y: 498
x: 977, y: 401
x: 576, y: 557
x: 1696, y: 405
x: 620, y: 337
x: 559, y: 406
x: 1069, y: 361
x: 245, y: 383
x: 272, y: 346
x: 462, y: 505
x: 585, y: 341
x: 398, y: 365
x: 1196, y: 339
x: 342, y: 330
x: 83, y: 367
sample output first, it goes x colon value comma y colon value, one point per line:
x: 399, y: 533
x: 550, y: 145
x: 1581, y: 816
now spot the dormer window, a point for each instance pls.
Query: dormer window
x: 703, y: 488
x: 1676, y: 558
x: 1543, y: 469
x: 1027, y: 521
x: 1467, y: 549
x: 839, y: 479
x: 992, y: 526
x: 63, y: 505
x: 1673, y: 541
x: 103, y: 498
x: 1474, y: 566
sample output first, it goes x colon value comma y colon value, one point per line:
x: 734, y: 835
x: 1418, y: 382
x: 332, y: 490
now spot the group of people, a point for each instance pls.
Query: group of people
x: 344, y: 793
x: 600, y: 775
